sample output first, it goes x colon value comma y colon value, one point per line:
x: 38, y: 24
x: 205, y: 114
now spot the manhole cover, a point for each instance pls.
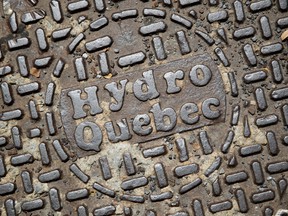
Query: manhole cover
x: 167, y: 107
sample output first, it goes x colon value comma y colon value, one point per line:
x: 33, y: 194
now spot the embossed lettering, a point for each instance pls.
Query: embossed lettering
x: 139, y: 122
x: 124, y: 131
x: 207, y: 111
x: 96, y: 139
x: 186, y: 111
x: 145, y: 88
x: 200, y: 79
x: 165, y: 119
x: 171, y: 81
x: 91, y: 100
x: 169, y: 98
x: 117, y: 94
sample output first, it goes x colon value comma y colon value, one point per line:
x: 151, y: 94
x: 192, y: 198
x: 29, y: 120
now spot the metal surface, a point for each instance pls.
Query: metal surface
x: 143, y: 107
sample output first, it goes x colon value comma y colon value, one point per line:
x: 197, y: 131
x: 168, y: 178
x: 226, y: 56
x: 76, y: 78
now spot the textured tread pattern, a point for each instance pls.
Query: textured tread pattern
x: 51, y: 45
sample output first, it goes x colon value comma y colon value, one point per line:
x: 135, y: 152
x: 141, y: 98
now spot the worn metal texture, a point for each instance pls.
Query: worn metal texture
x: 167, y: 107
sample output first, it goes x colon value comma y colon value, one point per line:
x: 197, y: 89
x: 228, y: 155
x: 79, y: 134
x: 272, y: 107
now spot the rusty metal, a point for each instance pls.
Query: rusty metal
x: 143, y: 107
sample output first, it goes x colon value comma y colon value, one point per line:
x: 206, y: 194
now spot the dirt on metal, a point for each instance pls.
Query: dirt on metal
x: 152, y: 107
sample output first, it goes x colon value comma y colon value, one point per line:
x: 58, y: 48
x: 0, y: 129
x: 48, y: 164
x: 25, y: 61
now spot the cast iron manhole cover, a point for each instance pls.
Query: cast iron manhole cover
x: 152, y: 107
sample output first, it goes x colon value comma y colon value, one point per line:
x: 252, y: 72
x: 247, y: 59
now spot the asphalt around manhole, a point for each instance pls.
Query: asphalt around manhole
x: 167, y: 107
